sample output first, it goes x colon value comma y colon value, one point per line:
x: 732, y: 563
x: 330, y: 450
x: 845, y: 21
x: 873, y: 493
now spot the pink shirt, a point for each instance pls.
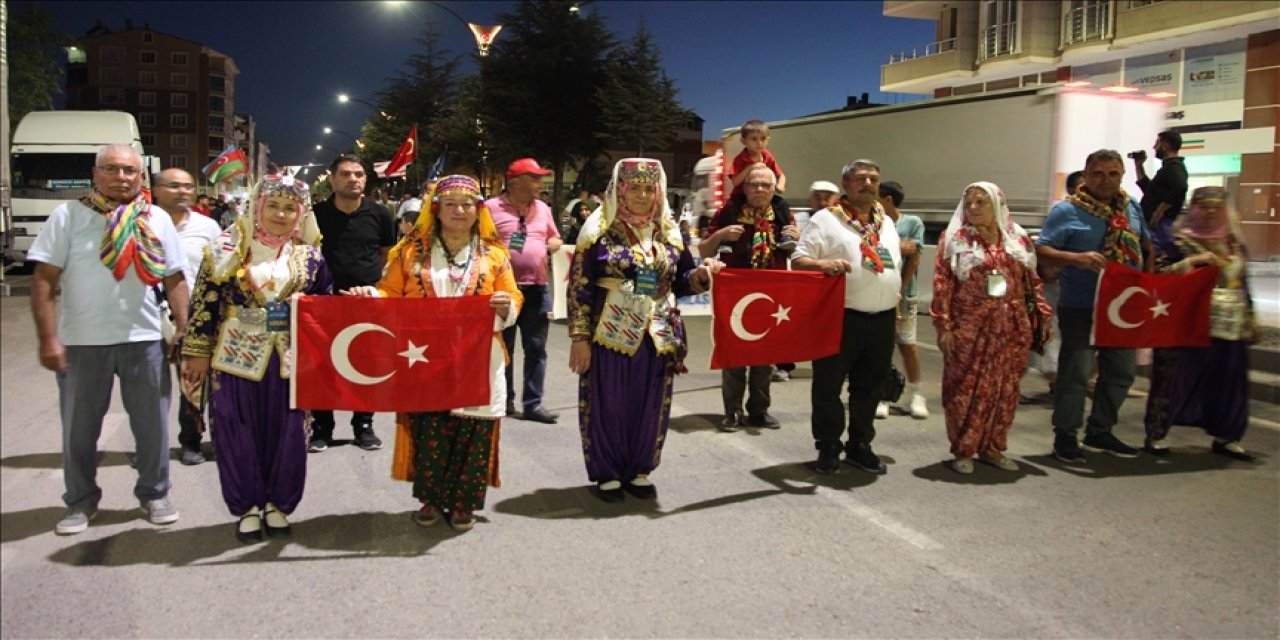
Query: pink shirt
x: 530, y: 263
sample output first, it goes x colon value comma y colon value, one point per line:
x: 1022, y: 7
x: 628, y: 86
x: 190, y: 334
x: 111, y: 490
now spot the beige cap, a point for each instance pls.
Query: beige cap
x: 823, y: 185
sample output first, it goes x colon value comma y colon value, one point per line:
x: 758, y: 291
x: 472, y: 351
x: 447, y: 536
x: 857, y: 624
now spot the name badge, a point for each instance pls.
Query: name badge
x: 278, y: 317
x: 517, y: 241
x: 996, y: 285
x: 646, y: 281
x: 885, y: 257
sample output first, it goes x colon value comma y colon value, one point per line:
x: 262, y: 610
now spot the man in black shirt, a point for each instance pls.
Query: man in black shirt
x: 357, y: 234
x: 1162, y: 196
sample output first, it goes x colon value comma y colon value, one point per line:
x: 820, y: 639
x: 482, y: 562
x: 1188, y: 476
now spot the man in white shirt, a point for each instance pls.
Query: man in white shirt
x: 173, y: 190
x: 854, y: 237
x: 414, y: 203
x: 108, y: 251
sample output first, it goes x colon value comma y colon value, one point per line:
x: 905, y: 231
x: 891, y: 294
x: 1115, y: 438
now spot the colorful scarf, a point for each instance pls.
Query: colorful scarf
x: 1121, y: 241
x: 870, y: 232
x: 762, y: 242
x: 129, y: 239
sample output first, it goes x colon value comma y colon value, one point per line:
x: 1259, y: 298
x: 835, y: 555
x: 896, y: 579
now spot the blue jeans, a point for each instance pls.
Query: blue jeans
x: 533, y: 322
x: 84, y: 395
x: 1075, y: 362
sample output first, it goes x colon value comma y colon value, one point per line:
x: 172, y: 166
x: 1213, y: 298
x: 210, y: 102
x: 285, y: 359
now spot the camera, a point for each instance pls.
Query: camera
x: 1138, y: 155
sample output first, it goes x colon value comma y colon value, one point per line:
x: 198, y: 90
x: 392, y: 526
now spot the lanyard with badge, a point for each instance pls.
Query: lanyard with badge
x: 997, y: 286
x: 518, y: 238
x: 646, y: 281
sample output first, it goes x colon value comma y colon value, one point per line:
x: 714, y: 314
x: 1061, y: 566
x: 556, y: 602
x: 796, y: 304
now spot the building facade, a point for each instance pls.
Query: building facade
x: 1215, y: 62
x: 182, y: 93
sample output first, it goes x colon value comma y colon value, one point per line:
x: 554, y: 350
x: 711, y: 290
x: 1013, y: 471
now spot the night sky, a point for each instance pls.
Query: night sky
x: 731, y: 61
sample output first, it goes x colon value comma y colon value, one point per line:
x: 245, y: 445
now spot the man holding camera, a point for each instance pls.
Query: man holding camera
x: 1162, y: 196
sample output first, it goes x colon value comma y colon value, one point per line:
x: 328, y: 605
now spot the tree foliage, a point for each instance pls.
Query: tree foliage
x: 34, y: 66
x: 638, y: 105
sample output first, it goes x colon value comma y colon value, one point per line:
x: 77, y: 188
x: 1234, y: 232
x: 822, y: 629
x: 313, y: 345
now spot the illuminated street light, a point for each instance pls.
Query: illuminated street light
x: 322, y: 147
x: 484, y: 35
x: 345, y: 98
x: 359, y: 144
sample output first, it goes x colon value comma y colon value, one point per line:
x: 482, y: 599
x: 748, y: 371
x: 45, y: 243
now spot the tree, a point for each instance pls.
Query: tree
x: 34, y: 69
x: 638, y: 102
x: 538, y: 85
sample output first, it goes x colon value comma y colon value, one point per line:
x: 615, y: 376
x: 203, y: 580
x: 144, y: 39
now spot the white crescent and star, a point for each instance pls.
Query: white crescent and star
x: 340, y: 353
x: 1160, y: 308
x: 735, y: 317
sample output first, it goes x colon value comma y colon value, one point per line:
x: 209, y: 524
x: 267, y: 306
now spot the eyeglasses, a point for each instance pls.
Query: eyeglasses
x: 178, y: 186
x: 112, y: 169
x: 759, y: 185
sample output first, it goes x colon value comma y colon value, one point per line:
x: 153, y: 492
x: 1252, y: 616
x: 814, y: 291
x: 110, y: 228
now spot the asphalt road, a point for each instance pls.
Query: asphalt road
x: 743, y: 541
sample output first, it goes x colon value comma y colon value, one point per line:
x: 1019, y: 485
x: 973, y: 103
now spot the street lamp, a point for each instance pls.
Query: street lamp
x: 484, y: 34
x: 320, y: 147
x: 345, y: 98
x: 359, y: 144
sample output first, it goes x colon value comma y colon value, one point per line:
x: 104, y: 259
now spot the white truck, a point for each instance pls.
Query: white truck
x: 1025, y: 140
x: 52, y: 158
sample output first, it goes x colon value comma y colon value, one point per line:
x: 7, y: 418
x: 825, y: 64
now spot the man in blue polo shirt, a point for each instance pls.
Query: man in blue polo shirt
x: 1096, y: 224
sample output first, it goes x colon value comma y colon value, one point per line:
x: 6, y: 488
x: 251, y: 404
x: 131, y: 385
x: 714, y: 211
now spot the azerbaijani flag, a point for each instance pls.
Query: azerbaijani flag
x: 228, y: 163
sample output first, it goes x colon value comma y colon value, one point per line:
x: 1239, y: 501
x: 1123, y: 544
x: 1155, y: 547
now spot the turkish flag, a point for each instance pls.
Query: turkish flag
x: 391, y: 354
x: 405, y: 155
x: 762, y: 316
x: 1136, y: 310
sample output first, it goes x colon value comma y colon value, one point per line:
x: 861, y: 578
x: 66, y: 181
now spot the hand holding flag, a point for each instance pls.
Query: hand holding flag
x: 230, y: 162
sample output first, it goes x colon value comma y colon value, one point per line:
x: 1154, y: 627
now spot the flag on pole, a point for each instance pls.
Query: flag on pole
x: 1136, y: 310
x: 762, y: 317
x: 405, y: 156
x: 230, y: 162
x: 380, y: 168
x: 437, y: 169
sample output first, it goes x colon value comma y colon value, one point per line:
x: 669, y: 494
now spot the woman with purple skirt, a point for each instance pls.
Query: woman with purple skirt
x: 239, y: 337
x: 628, y: 339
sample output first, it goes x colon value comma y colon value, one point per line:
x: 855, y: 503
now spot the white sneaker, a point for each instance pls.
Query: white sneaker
x: 918, y: 410
x: 882, y: 411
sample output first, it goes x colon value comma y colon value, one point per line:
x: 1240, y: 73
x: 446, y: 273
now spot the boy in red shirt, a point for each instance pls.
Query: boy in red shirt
x: 755, y: 137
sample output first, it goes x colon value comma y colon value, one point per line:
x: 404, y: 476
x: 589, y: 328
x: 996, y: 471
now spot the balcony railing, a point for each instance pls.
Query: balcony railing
x: 1134, y: 4
x: 931, y: 49
x: 998, y: 40
x: 1089, y: 22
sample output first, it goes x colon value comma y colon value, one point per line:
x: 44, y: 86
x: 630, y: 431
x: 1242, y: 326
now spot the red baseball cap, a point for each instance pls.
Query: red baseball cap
x: 525, y: 166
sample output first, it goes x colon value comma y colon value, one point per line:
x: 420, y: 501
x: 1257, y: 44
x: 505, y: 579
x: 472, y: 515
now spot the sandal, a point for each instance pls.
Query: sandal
x: 1001, y: 462
x: 963, y: 466
x: 462, y: 521
x: 426, y: 516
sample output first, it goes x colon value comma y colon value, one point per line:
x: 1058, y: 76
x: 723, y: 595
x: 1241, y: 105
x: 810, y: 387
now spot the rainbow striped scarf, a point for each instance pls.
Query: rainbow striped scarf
x: 1121, y: 241
x: 129, y: 239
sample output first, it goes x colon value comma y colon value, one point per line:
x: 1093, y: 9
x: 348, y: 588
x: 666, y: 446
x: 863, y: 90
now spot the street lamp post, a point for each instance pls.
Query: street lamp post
x: 322, y: 147
x: 345, y: 98
x: 359, y: 144
x: 484, y: 34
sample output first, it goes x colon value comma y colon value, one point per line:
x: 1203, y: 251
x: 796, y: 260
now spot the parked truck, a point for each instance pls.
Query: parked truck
x: 1025, y: 140
x: 52, y: 157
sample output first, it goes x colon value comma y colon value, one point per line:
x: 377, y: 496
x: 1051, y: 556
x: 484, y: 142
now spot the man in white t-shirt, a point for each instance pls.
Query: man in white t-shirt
x: 855, y: 237
x: 108, y: 252
x: 414, y: 203
x: 173, y: 190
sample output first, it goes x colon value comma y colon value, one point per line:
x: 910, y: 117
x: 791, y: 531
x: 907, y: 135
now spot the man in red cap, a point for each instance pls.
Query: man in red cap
x: 527, y: 227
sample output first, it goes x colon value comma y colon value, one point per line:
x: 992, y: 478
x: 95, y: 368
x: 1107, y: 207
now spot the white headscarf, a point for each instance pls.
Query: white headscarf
x: 964, y: 251
x: 602, y: 218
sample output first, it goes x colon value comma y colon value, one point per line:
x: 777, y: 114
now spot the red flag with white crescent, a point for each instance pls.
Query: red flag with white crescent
x: 1136, y: 310
x: 406, y: 155
x: 391, y: 354
x: 762, y: 316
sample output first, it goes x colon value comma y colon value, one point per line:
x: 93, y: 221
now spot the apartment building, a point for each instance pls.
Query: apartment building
x: 1216, y: 62
x: 181, y: 92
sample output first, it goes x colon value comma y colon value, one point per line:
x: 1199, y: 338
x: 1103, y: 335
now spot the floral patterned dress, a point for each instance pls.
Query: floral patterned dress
x: 991, y: 339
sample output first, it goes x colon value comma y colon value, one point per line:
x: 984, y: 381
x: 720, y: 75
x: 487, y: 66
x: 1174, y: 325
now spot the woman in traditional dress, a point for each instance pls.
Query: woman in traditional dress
x: 985, y: 262
x: 453, y: 250
x: 239, y: 328
x: 628, y: 339
x: 1206, y: 387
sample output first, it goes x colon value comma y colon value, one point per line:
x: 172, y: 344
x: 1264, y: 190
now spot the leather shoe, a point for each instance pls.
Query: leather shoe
x: 249, y: 528
x: 764, y: 420
x: 1232, y: 450
x: 511, y: 409
x: 538, y: 414
x: 643, y: 492
x: 866, y: 459
x: 612, y: 494
x: 191, y: 457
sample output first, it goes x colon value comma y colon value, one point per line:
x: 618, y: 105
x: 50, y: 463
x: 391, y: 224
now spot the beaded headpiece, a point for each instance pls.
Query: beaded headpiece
x: 285, y: 187
x: 1205, y: 195
x: 458, y: 184
x: 640, y: 172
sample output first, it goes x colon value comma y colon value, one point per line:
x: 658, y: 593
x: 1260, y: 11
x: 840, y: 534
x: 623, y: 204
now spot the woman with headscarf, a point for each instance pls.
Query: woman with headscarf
x: 985, y: 263
x: 239, y: 328
x: 1206, y: 386
x: 628, y: 339
x: 453, y: 250
x: 578, y: 212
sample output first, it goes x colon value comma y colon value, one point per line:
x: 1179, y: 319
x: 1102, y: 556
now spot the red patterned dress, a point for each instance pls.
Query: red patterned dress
x: 990, y: 343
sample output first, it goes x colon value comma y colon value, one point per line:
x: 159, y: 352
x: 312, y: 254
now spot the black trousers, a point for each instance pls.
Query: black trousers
x: 866, y: 350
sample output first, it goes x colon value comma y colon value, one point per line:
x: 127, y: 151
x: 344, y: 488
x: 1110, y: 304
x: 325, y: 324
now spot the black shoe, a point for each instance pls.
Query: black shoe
x: 511, y: 409
x: 1225, y: 449
x: 764, y: 421
x: 731, y: 422
x: 643, y: 491
x: 253, y: 522
x: 828, y: 461
x: 608, y: 495
x: 318, y: 443
x: 1159, y: 452
x: 1108, y: 443
x: 1066, y: 449
x: 866, y: 459
x: 366, y: 439
x: 538, y: 414
x: 191, y: 457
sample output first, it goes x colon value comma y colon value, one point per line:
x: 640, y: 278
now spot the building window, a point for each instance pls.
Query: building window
x: 146, y: 119
x: 179, y: 58
x: 146, y: 98
x: 178, y: 120
x: 178, y: 141
x: 113, y: 75
x: 178, y: 79
x: 178, y: 100
x: 215, y: 143
x: 1000, y: 28
x: 112, y: 55
x: 147, y: 57
x: 217, y: 83
x: 1085, y: 20
x: 110, y: 96
x: 217, y: 105
x: 148, y: 140
x: 216, y: 123
x: 148, y: 37
x: 147, y: 78
x: 178, y: 162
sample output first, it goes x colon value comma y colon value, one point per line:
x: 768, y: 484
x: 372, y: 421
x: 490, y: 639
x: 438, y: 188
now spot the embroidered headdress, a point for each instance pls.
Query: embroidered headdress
x: 233, y: 246
x: 964, y: 250
x: 627, y: 173
x: 1196, y: 223
x: 425, y: 226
